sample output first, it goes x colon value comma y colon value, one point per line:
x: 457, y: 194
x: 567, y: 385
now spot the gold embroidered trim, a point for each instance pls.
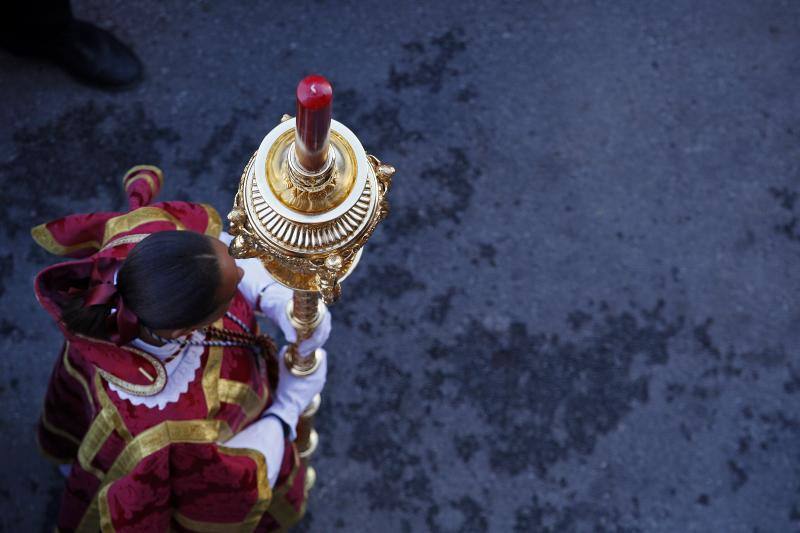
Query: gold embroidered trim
x: 198, y: 431
x: 214, y: 226
x: 244, y: 396
x: 101, y: 428
x: 146, y: 443
x: 57, y: 431
x: 45, y: 239
x: 137, y: 217
x: 141, y: 176
x: 106, y: 525
x: 211, y: 377
x: 125, y: 239
x: 256, y: 512
x: 157, y: 438
x: 48, y: 456
x: 280, y: 508
x: 132, y: 388
x: 108, y: 405
x: 203, y: 527
x: 140, y: 390
x: 133, y: 171
x: 91, y: 516
x: 76, y: 375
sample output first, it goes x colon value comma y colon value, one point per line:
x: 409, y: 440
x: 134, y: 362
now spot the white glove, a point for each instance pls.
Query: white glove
x: 274, y: 299
x: 294, y: 393
x: 265, y: 436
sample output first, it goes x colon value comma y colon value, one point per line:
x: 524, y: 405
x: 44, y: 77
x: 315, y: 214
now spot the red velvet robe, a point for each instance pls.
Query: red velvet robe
x: 136, y: 468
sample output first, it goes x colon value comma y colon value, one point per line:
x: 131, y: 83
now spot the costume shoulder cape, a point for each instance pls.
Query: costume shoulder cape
x: 90, y: 237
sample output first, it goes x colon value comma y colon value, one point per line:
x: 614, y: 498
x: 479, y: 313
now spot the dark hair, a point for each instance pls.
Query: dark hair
x: 170, y: 280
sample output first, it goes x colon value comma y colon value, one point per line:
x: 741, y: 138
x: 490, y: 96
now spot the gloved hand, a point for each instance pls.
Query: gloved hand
x: 265, y: 436
x: 294, y: 393
x: 273, y: 304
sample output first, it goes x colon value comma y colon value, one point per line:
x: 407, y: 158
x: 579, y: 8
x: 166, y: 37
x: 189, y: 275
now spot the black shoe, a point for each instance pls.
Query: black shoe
x: 89, y: 53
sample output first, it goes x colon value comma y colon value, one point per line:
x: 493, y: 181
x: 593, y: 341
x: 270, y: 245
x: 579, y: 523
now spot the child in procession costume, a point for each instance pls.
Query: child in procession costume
x: 167, y: 408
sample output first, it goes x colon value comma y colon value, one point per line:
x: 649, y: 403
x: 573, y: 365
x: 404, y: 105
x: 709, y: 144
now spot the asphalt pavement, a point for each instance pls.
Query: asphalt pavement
x: 582, y: 313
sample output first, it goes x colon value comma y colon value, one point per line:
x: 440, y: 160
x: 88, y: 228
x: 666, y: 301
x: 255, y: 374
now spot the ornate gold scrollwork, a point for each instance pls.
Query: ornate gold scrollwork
x: 307, y: 256
x: 243, y: 244
x: 383, y: 173
x: 328, y: 279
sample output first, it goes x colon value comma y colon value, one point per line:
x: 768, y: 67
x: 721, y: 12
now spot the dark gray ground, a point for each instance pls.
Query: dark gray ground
x: 582, y: 313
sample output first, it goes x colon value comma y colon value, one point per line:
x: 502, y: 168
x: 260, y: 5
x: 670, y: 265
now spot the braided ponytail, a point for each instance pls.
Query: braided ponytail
x: 169, y: 280
x: 89, y: 320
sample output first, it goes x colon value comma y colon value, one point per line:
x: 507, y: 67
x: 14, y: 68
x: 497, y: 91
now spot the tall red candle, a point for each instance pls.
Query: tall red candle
x: 314, y: 105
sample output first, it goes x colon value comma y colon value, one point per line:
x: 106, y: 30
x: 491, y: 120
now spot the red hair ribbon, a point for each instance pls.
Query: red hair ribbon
x: 122, y: 324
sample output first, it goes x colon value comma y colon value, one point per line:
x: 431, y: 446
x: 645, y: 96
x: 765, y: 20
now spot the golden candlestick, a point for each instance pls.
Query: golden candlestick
x: 308, y: 226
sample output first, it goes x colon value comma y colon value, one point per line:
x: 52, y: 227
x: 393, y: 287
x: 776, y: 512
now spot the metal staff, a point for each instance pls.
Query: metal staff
x: 308, y: 201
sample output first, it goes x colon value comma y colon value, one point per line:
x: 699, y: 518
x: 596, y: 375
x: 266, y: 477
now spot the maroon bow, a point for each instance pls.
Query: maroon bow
x: 122, y: 324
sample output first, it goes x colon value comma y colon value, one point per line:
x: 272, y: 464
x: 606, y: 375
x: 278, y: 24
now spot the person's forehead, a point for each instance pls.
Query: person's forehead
x: 219, y: 245
x: 228, y: 265
x: 222, y: 253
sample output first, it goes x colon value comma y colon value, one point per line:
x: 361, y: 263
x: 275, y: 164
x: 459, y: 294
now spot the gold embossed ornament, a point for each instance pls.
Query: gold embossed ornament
x: 308, y: 201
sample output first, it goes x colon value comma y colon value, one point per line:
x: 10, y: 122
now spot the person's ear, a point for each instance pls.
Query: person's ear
x: 173, y: 333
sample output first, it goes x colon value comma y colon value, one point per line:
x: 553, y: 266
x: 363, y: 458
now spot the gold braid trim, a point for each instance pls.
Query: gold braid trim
x: 198, y: 431
x: 280, y: 508
x: 244, y: 396
x: 125, y: 239
x: 138, y: 168
x: 183, y: 431
x: 127, y: 222
x: 211, y: 377
x: 141, y: 176
x: 256, y: 512
x: 214, y: 226
x: 107, y: 405
x: 107, y: 421
x: 52, y: 458
x: 57, y: 431
x: 91, y: 516
x: 45, y: 239
x: 76, y: 375
x: 157, y: 383
x: 134, y: 172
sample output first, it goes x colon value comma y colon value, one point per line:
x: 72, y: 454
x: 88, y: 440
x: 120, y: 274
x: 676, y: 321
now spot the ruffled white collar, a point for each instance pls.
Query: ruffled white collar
x: 181, y: 370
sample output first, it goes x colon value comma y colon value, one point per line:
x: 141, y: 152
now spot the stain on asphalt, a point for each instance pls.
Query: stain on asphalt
x: 117, y: 137
x: 787, y: 199
x: 449, y: 192
x: 386, y: 281
x: 10, y: 330
x: 463, y: 515
x: 227, y: 149
x: 381, y: 128
x: 738, y: 474
x: 6, y: 269
x: 440, y: 306
x: 486, y: 254
x: 466, y: 446
x: 544, y: 517
x: 401, y: 479
x: 556, y: 396
x: 429, y: 64
x: 219, y: 140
